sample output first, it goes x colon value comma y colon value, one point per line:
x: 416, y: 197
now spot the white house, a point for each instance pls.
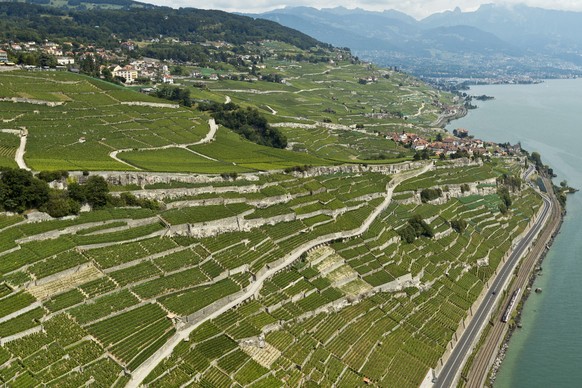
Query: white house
x: 65, y: 61
x: 128, y: 72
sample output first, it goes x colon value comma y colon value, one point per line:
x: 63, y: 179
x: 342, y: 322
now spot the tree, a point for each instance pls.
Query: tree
x: 77, y: 192
x: 177, y: 70
x: 427, y: 195
x: 60, y: 205
x: 415, y: 228
x: 46, y: 60
x: 503, y: 194
x: 107, y: 74
x: 21, y: 190
x: 459, y: 225
x: 96, y: 191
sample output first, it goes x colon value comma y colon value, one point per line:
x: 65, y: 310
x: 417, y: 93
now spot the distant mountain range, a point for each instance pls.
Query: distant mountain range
x: 493, y: 39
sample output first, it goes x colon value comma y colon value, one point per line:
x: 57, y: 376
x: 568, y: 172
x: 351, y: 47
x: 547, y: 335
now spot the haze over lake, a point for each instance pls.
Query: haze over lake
x: 545, y: 118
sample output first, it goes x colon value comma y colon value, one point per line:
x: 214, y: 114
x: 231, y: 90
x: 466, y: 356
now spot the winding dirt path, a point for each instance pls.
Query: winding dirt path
x: 213, y: 128
x: 182, y: 333
x: 19, y: 157
x: 273, y: 111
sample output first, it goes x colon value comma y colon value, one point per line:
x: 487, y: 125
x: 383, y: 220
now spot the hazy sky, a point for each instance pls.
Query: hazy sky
x: 416, y: 8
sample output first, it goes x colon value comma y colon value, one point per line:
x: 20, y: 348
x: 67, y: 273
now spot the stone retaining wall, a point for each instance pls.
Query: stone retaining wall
x: 32, y: 101
x: 152, y: 104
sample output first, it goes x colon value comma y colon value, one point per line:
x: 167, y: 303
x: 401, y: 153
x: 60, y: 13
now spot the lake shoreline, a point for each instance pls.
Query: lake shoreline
x: 537, y: 268
x: 533, y: 274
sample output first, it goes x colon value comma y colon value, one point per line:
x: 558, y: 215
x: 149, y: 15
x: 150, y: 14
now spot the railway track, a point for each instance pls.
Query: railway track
x: 486, y: 353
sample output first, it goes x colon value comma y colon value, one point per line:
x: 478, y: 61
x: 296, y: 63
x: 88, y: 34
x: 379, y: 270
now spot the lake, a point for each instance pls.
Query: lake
x: 547, y: 351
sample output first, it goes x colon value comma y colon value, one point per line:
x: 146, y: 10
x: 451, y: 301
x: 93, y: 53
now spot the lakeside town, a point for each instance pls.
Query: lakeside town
x: 460, y: 145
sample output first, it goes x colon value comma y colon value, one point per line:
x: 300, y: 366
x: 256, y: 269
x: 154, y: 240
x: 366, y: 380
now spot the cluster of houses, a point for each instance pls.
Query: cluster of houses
x: 64, y: 58
x: 448, y: 146
x: 146, y: 68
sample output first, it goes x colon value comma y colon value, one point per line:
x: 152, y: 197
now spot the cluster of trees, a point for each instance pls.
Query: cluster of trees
x: 510, y: 181
x: 536, y: 158
x: 229, y: 175
x: 300, y: 169
x: 460, y: 154
x: 49, y: 176
x: 416, y: 227
x: 73, y: 3
x: 35, y: 59
x: 246, y: 122
x: 459, y: 225
x: 427, y: 195
x: 174, y: 93
x: 505, y: 184
x: 503, y: 194
x: 20, y: 190
x: 277, y: 78
x: 422, y: 155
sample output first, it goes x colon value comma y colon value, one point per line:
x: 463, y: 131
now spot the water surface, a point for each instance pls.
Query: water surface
x: 547, y: 351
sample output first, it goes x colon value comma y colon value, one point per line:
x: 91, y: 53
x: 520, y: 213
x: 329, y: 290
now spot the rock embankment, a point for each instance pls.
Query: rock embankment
x: 150, y: 104
x: 31, y: 101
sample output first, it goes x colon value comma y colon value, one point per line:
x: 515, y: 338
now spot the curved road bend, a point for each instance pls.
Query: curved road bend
x: 452, y: 368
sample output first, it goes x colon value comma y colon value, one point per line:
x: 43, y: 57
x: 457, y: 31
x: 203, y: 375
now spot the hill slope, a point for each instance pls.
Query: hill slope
x: 19, y: 21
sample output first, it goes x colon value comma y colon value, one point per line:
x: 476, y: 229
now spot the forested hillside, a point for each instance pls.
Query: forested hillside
x: 29, y: 22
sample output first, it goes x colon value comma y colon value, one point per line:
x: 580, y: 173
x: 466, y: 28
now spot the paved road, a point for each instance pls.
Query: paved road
x: 487, y: 351
x: 448, y: 375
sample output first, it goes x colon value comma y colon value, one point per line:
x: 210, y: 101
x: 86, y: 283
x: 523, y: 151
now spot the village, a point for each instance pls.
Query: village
x: 120, y: 64
x: 458, y: 145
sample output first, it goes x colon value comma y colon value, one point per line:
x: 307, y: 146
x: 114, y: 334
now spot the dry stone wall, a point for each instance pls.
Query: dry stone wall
x: 453, y: 191
x: 31, y: 101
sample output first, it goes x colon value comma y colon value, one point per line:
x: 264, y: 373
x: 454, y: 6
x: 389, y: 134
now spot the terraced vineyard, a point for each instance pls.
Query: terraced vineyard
x: 319, y: 105
x: 102, y: 294
x: 323, y: 264
x: 74, y: 123
x: 95, y: 125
